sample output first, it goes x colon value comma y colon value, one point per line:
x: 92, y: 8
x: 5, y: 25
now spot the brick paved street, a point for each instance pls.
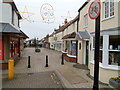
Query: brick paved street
x: 56, y: 75
x: 33, y: 80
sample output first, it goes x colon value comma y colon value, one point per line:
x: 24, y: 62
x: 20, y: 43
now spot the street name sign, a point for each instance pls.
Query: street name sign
x: 94, y: 9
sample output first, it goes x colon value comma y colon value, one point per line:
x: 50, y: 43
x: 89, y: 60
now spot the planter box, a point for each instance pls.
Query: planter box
x: 114, y: 84
x: 72, y: 59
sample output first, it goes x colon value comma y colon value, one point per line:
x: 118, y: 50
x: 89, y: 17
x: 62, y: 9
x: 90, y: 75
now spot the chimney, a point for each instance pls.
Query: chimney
x: 59, y: 26
x: 55, y: 30
x: 65, y: 21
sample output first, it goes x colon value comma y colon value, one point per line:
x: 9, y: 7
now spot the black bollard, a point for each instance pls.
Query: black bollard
x: 62, y: 60
x: 46, y: 61
x: 29, y: 62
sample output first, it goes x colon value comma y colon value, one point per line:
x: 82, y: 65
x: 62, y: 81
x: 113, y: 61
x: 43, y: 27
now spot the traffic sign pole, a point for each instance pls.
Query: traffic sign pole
x: 94, y: 13
x: 97, y: 46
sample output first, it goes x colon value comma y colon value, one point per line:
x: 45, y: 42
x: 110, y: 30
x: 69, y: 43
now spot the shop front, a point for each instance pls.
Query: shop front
x: 9, y: 49
x: 10, y: 44
x: 1, y: 48
x: 83, y: 38
x: 70, y: 43
x: 109, y: 55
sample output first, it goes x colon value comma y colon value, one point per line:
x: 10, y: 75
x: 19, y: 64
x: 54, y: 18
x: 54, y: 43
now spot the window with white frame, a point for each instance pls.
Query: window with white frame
x: 86, y: 20
x: 109, y: 8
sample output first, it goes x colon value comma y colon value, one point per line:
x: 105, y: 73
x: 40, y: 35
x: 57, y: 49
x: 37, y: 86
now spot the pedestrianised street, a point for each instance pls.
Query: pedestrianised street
x: 39, y: 76
x: 60, y: 44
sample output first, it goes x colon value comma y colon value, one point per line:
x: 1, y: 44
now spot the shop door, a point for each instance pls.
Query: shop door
x: 87, y: 50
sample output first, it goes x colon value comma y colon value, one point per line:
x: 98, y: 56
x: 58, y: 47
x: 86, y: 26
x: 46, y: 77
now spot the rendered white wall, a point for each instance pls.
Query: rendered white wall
x: 0, y: 10
x: 6, y: 13
x: 6, y: 16
x: 15, y: 19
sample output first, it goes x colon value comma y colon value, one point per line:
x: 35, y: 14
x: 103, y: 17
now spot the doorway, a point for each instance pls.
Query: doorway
x: 86, y: 53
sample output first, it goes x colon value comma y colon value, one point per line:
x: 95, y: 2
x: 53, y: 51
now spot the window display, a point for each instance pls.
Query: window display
x: 114, y: 49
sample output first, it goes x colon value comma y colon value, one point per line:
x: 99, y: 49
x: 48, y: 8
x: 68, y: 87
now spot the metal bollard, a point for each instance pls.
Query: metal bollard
x: 62, y: 60
x: 11, y: 69
x: 29, y: 62
x: 46, y: 61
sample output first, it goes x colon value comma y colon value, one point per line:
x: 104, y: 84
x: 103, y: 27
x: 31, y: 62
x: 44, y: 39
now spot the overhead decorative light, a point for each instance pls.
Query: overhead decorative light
x: 47, y: 13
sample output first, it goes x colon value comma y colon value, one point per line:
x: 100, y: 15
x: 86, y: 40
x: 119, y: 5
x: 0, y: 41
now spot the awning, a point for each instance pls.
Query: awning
x: 82, y: 35
x: 68, y: 36
x: 7, y: 28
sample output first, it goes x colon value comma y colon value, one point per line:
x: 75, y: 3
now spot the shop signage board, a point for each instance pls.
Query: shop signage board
x: 55, y: 38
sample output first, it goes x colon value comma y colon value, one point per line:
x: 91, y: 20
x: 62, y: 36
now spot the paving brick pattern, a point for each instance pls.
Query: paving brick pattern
x: 33, y: 80
x: 69, y: 76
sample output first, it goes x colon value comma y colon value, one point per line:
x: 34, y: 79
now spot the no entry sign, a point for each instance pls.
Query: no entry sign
x: 94, y: 9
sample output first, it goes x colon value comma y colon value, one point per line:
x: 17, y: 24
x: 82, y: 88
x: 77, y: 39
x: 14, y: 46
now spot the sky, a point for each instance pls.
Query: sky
x: 61, y: 9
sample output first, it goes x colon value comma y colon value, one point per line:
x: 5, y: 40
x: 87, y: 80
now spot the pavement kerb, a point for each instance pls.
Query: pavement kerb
x: 65, y: 83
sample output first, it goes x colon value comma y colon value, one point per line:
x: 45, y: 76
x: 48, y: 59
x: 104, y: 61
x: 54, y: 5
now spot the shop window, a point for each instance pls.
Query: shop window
x: 101, y: 42
x: 114, y: 58
x: 101, y: 48
x: 11, y: 49
x: 79, y: 46
x: 14, y: 47
x: 114, y: 49
x: 73, y: 48
x: 100, y: 56
x: 68, y: 46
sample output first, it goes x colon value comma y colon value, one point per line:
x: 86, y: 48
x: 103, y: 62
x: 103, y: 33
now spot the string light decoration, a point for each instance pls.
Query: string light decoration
x: 47, y: 13
x: 26, y: 15
x: 68, y: 16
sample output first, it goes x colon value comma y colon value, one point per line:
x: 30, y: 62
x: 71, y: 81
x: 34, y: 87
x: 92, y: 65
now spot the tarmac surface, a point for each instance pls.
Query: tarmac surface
x: 69, y: 75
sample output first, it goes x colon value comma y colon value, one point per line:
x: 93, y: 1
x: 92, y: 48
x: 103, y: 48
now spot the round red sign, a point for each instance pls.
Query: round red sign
x: 94, y: 9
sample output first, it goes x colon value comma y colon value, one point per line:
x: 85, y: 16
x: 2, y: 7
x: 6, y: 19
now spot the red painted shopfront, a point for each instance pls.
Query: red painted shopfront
x: 14, y: 47
x: 9, y: 49
x: 1, y: 48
